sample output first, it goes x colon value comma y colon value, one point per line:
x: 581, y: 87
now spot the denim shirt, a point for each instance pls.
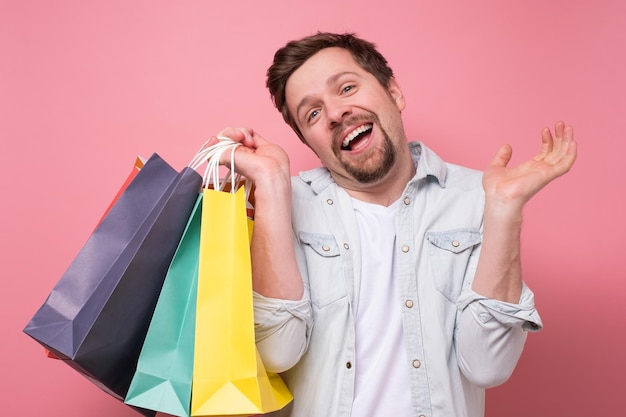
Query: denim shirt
x: 457, y: 342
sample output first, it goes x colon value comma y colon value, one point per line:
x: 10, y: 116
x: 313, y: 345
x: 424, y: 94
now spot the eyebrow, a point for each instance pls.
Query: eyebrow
x: 331, y: 80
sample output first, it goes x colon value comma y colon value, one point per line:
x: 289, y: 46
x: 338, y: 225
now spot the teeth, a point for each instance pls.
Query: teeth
x: 356, y: 132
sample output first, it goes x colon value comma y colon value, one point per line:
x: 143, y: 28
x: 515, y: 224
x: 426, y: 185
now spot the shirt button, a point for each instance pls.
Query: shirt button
x: 407, y: 201
x: 346, y: 246
x: 416, y: 363
x: 422, y: 415
x: 455, y: 243
x: 405, y: 248
x: 409, y: 303
x: 325, y: 248
x: 329, y: 202
x: 348, y: 365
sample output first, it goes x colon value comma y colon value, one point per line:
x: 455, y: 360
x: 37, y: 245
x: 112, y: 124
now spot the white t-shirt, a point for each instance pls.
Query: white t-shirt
x: 381, y: 371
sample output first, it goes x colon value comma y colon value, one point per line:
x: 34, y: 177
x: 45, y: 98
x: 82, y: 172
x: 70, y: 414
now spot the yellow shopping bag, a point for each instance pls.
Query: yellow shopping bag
x: 229, y: 377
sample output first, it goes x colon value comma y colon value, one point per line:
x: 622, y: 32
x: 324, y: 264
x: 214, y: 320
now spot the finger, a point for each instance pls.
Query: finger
x: 247, y: 163
x: 572, y: 150
x: 568, y: 133
x: 558, y: 129
x: 258, y: 140
x: 564, y: 135
x: 569, y: 147
x: 566, y: 149
x: 238, y: 134
x: 547, y: 143
x: 212, y: 141
x: 502, y: 157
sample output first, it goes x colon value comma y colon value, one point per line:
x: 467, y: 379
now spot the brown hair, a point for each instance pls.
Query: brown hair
x: 295, y: 53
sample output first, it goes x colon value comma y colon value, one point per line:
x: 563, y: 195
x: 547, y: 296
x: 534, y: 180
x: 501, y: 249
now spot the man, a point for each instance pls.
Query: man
x: 388, y: 282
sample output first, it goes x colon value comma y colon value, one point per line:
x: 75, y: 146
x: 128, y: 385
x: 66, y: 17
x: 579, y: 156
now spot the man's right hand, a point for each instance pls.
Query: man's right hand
x: 260, y: 161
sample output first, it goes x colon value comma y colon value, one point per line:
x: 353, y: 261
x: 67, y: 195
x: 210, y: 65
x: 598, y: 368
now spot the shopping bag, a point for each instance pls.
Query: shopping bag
x: 162, y: 380
x: 139, y: 162
x: 229, y: 377
x: 96, y: 317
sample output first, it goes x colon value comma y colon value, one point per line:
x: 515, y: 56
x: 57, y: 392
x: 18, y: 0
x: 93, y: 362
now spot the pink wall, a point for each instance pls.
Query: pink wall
x: 85, y: 86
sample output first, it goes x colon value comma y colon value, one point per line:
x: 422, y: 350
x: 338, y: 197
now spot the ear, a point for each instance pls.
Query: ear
x: 396, y: 93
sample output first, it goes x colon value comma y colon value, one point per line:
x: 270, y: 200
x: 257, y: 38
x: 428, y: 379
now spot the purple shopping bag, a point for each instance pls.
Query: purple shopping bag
x: 97, y: 315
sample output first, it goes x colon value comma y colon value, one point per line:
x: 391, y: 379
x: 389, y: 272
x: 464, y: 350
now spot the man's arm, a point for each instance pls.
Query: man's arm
x: 282, y: 316
x: 492, y: 318
x: 275, y: 272
x: 507, y: 189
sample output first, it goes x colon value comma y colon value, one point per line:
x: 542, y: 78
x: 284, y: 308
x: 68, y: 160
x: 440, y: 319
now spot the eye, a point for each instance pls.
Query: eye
x: 312, y: 115
x: 347, y: 89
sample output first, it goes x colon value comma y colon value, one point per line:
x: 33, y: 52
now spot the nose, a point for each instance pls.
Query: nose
x: 336, y: 111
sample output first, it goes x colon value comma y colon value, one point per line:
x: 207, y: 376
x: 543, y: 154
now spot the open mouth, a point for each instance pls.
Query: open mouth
x: 354, y: 138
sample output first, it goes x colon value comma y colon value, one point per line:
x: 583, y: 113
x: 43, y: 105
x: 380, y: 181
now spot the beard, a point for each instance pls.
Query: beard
x: 378, y: 165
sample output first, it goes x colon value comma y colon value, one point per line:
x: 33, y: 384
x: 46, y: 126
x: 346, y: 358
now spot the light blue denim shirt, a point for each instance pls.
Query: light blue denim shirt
x: 457, y: 342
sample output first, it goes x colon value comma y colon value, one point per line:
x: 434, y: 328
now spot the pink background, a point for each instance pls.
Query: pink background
x: 85, y: 86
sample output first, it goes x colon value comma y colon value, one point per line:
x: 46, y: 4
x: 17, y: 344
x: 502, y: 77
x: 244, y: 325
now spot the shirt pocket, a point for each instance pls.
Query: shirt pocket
x: 449, y: 255
x: 323, y: 268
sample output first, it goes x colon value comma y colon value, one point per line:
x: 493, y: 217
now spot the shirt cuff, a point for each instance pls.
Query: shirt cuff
x: 523, y: 314
x: 271, y: 314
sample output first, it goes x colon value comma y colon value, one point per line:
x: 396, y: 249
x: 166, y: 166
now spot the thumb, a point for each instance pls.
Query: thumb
x: 502, y: 157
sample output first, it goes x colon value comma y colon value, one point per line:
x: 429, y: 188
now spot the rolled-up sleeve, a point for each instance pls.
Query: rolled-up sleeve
x: 490, y: 335
x: 523, y: 314
x: 282, y: 330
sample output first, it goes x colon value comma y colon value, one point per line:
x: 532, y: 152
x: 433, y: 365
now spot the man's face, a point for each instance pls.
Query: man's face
x: 347, y: 117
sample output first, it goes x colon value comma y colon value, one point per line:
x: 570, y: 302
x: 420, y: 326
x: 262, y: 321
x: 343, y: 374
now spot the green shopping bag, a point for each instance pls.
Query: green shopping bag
x: 162, y: 381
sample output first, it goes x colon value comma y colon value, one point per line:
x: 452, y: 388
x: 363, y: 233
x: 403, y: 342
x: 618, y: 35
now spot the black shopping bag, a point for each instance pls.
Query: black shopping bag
x: 96, y: 317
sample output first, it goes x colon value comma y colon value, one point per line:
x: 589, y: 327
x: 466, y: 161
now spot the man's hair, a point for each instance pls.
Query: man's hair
x: 295, y: 53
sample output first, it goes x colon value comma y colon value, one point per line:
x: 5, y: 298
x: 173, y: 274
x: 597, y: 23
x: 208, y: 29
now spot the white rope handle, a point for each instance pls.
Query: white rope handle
x: 211, y: 155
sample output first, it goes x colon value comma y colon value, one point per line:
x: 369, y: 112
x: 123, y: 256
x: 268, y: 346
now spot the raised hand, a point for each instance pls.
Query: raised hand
x: 518, y: 184
x: 257, y: 159
x: 507, y: 189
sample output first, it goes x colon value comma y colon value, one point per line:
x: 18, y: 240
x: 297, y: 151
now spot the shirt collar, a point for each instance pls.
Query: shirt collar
x: 427, y: 163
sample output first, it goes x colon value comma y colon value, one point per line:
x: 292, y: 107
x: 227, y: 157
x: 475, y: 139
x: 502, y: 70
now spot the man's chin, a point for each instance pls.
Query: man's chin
x: 370, y: 177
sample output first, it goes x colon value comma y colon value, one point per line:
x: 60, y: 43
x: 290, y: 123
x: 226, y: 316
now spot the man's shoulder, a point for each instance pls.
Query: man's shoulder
x: 310, y: 183
x: 463, y: 177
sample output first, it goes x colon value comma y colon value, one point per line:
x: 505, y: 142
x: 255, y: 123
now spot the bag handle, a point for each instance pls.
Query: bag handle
x: 212, y: 154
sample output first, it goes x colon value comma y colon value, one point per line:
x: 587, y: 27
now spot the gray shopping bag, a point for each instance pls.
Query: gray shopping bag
x: 96, y: 317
